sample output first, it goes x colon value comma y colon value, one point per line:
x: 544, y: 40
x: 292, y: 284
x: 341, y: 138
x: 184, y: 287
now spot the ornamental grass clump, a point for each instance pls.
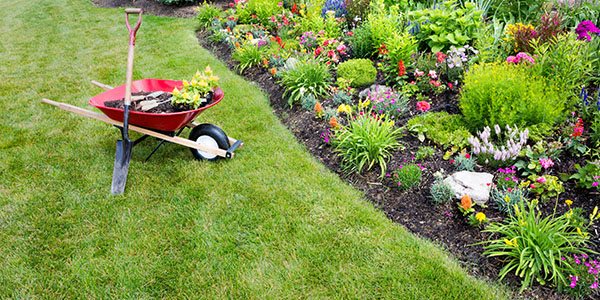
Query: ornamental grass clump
x: 310, y: 76
x: 499, y: 155
x: 368, y: 139
x: 441, y: 191
x: 505, y: 199
x: 506, y: 94
x: 408, y: 175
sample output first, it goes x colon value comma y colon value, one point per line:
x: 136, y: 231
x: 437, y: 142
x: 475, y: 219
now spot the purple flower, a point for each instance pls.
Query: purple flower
x: 584, y: 29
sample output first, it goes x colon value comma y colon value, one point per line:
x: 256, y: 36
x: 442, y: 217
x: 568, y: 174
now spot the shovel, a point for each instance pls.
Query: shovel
x: 123, y: 153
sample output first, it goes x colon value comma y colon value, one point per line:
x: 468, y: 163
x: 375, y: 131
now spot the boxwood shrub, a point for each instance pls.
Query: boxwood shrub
x: 360, y: 72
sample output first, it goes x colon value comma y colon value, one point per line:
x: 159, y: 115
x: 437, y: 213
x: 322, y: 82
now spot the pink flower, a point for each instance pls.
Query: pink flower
x: 413, y: 82
x: 280, y: 4
x: 330, y: 53
x: 432, y: 74
x: 435, y: 82
x: 450, y: 85
x: 350, y: 33
x: 423, y: 106
x: 546, y: 163
x: 467, y: 155
x: 318, y: 51
x: 541, y: 179
x: 341, y: 48
x: 595, y: 183
x: 511, y: 59
x: 532, y: 186
x: 419, y: 73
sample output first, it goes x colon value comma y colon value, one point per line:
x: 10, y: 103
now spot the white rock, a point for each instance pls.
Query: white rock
x: 372, y: 89
x: 475, y: 184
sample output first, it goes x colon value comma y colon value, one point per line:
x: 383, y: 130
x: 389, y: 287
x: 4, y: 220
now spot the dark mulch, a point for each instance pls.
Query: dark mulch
x: 442, y: 224
x: 164, y: 105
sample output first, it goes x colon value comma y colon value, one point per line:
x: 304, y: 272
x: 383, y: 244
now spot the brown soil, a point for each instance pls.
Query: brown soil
x: 164, y: 106
x: 442, y: 224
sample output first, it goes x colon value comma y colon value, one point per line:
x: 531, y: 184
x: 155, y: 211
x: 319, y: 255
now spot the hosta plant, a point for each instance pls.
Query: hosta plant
x: 367, y: 140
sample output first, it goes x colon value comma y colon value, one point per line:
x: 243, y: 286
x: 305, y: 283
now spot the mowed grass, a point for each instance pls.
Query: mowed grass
x: 272, y: 223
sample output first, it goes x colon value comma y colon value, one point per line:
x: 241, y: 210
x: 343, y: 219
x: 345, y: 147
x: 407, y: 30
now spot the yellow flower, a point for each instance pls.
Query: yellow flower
x: 512, y: 243
x: 175, y: 92
x: 480, y: 217
x: 345, y: 108
x: 194, y: 83
x: 569, y: 202
x: 185, y: 96
x: 580, y: 232
x: 507, y: 199
x: 185, y: 83
x: 213, y: 78
x: 208, y: 70
x: 196, y: 97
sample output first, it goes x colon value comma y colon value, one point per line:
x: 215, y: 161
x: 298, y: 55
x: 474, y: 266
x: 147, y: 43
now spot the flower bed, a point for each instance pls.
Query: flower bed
x: 466, y: 96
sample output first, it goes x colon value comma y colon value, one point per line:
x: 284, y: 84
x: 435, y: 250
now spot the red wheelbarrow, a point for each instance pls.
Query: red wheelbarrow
x: 206, y: 141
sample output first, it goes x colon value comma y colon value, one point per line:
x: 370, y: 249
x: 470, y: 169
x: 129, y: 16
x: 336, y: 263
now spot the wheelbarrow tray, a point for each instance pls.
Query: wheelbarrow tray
x: 160, y: 122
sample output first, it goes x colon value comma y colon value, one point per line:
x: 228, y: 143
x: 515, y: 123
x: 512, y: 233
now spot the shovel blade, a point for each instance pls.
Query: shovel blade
x: 121, y: 168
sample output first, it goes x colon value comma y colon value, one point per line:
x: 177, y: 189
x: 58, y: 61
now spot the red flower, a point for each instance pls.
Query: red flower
x: 436, y: 83
x: 401, y: 68
x: 382, y: 49
x: 318, y: 51
x: 467, y: 155
x: 423, y: 106
x: 440, y: 56
x: 295, y: 9
x: 350, y: 33
x: 282, y: 45
x: 450, y: 85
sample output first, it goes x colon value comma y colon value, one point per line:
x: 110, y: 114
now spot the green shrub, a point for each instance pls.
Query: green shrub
x: 248, y: 55
x: 176, y: 2
x: 502, y: 94
x: 532, y: 245
x: 399, y: 46
x: 309, y: 101
x: 206, y: 14
x: 424, y: 152
x: 308, y: 77
x: 360, y: 72
x: 361, y: 42
x: 442, y: 128
x: 262, y: 9
x: 407, y: 176
x: 365, y: 141
x: 382, y: 23
x: 446, y: 25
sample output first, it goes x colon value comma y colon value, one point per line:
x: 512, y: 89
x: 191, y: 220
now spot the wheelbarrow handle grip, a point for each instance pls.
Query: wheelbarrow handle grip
x: 132, y: 33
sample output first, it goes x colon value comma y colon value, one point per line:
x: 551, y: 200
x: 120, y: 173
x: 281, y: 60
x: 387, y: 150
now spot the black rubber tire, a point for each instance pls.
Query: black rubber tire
x: 206, y: 132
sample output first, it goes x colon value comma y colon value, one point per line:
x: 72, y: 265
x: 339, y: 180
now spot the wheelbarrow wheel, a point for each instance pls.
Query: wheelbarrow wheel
x: 211, y: 136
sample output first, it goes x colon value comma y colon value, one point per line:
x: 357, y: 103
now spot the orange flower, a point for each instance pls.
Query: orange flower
x: 228, y: 29
x: 273, y: 39
x: 273, y: 71
x: 266, y: 62
x: 333, y: 122
x: 318, y: 107
x: 237, y: 45
x: 465, y: 202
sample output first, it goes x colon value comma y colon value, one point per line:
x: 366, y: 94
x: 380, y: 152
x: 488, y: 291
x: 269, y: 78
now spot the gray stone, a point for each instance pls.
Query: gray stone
x: 372, y: 89
x: 475, y: 184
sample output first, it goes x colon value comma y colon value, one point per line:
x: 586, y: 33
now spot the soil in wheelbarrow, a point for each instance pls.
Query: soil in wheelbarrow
x: 163, y: 107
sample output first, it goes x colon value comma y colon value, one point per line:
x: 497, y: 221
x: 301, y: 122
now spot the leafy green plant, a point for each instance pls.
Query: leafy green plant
x: 388, y: 102
x: 396, y: 53
x: 311, y: 77
x: 441, y: 191
x: 407, y: 176
x: 505, y: 199
x: 544, y: 187
x: 308, y: 102
x: 442, y: 128
x: 206, y: 14
x: 361, y: 42
x: 533, y: 245
x: 360, y: 72
x: 586, y: 177
x: 565, y: 60
x: 494, y: 94
x: 424, y: 152
x: 366, y: 140
x: 463, y: 162
x: 446, y: 25
x: 248, y: 55
x: 531, y: 159
x: 194, y: 92
x: 382, y: 23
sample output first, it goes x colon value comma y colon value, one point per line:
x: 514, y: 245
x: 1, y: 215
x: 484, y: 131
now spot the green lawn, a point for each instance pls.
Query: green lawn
x: 272, y: 223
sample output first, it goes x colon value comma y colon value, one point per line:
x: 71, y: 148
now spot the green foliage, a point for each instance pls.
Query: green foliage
x: 441, y: 191
x: 505, y: 199
x: 510, y: 95
x: 382, y: 23
x: 262, y: 9
x: 424, y: 152
x: 533, y: 245
x: 309, y: 77
x: 442, y: 128
x: 587, y: 177
x: 399, y: 46
x: 407, y: 176
x: 360, y: 72
x: 207, y: 14
x: 357, y: 11
x: 388, y: 102
x: 524, y: 10
x: 446, y: 25
x: 361, y: 42
x: 342, y: 97
x: 248, y: 55
x: 544, y: 187
x: 565, y: 60
x: 176, y: 2
x: 366, y: 141
x: 308, y: 102
x: 464, y: 162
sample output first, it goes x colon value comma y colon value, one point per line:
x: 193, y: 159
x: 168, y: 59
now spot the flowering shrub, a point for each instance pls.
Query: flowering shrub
x: 539, y: 158
x: 506, y: 94
x: 496, y: 155
x: 520, y: 35
x: 506, y: 179
x: 396, y: 53
x: 408, y: 175
x: 360, y: 72
x: 388, y: 102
